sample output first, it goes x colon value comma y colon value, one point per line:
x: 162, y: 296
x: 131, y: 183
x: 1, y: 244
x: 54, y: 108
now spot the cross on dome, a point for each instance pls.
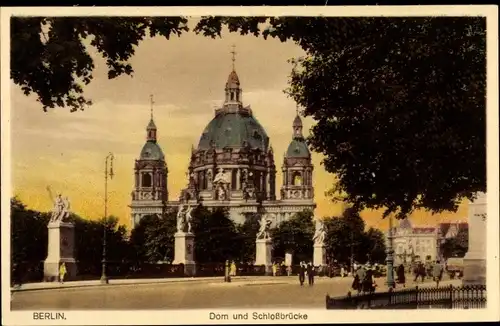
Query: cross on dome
x: 233, y: 52
x: 151, y: 102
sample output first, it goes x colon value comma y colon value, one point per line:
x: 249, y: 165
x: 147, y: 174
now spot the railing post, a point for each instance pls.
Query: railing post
x: 417, y: 298
x: 451, y: 296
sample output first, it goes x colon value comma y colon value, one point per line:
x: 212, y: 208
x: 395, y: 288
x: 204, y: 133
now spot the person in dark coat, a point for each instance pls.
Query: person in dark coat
x: 419, y: 272
x: 423, y: 272
x: 401, y: 275
x: 302, y: 273
x: 356, y: 286
x: 368, y: 281
x: 310, y: 274
x: 437, y: 273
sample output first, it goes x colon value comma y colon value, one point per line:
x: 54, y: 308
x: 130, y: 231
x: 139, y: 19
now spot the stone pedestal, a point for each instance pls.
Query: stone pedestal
x: 184, y: 252
x: 475, y: 259
x: 61, y: 249
x: 319, y: 255
x: 263, y: 251
x: 288, y: 258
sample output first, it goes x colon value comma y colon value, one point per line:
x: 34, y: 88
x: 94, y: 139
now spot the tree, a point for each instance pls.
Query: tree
x: 89, y: 240
x: 294, y: 235
x: 216, y: 236
x: 373, y: 243
x: 49, y: 57
x: 29, y: 239
x: 398, y: 102
x: 152, y: 239
x: 247, y: 233
x: 345, y: 237
x: 456, y: 246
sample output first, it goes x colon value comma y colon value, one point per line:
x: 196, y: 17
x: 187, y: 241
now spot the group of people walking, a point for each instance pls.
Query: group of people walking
x: 363, y: 279
x: 306, y: 270
x: 281, y: 269
x: 421, y: 272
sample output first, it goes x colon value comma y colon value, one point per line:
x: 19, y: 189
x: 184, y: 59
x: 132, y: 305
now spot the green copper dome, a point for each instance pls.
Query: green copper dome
x: 234, y: 130
x: 298, y: 148
x: 151, y: 151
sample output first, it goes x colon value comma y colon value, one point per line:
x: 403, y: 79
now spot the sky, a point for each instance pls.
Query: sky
x: 66, y: 150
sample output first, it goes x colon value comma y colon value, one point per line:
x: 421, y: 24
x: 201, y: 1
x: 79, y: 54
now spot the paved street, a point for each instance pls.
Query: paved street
x: 279, y: 292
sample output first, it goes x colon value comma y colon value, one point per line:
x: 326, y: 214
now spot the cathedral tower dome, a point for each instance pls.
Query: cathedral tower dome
x: 297, y: 166
x: 298, y: 146
x: 150, y: 175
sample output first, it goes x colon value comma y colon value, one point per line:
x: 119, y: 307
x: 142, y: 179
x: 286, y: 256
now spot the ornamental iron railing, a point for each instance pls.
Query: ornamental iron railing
x: 443, y: 297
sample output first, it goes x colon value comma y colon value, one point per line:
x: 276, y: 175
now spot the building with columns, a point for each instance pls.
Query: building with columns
x: 233, y: 166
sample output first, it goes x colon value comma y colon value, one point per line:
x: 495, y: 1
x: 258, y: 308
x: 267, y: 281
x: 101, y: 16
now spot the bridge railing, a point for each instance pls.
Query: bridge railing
x: 443, y: 297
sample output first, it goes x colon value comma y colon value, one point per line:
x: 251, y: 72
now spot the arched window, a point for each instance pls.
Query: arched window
x: 297, y: 179
x: 146, y: 180
x: 232, y: 96
x: 204, y: 183
x: 233, y: 179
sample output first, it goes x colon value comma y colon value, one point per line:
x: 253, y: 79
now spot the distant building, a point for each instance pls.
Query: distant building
x: 422, y: 242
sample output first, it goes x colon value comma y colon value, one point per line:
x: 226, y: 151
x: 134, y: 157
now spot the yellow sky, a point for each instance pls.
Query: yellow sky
x: 186, y: 75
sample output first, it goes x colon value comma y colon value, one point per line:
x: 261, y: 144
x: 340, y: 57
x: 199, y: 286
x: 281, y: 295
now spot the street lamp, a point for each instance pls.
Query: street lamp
x: 104, y: 278
x: 390, y: 258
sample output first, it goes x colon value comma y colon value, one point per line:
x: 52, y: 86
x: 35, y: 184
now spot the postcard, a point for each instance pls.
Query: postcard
x: 232, y: 165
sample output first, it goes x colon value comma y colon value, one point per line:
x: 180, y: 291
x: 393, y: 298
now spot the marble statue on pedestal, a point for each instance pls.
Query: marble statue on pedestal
x: 319, y: 253
x: 184, y: 240
x: 264, y: 229
x: 263, y: 244
x: 61, y: 242
x: 319, y: 234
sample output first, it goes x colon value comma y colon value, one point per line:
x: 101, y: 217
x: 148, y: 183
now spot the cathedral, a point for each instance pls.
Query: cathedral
x: 233, y: 166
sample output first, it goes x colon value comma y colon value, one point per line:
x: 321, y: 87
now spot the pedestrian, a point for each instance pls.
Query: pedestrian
x: 233, y: 268
x: 356, y: 283
x: 401, y: 275
x: 368, y: 284
x: 310, y: 274
x: 289, y: 270
x: 275, y: 268
x: 419, y: 271
x: 62, y: 272
x: 361, y: 272
x: 422, y: 272
x: 302, y: 273
x: 437, y: 273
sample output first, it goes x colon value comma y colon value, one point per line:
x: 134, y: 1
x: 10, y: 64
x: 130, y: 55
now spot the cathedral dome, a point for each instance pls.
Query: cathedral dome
x: 235, y: 130
x: 151, y: 151
x: 298, y: 149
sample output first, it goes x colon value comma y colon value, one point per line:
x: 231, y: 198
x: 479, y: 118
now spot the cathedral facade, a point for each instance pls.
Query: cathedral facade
x: 233, y: 166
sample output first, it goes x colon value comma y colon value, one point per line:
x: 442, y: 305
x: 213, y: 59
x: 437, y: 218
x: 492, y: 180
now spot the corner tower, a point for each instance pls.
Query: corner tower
x: 297, y: 167
x: 150, y: 192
